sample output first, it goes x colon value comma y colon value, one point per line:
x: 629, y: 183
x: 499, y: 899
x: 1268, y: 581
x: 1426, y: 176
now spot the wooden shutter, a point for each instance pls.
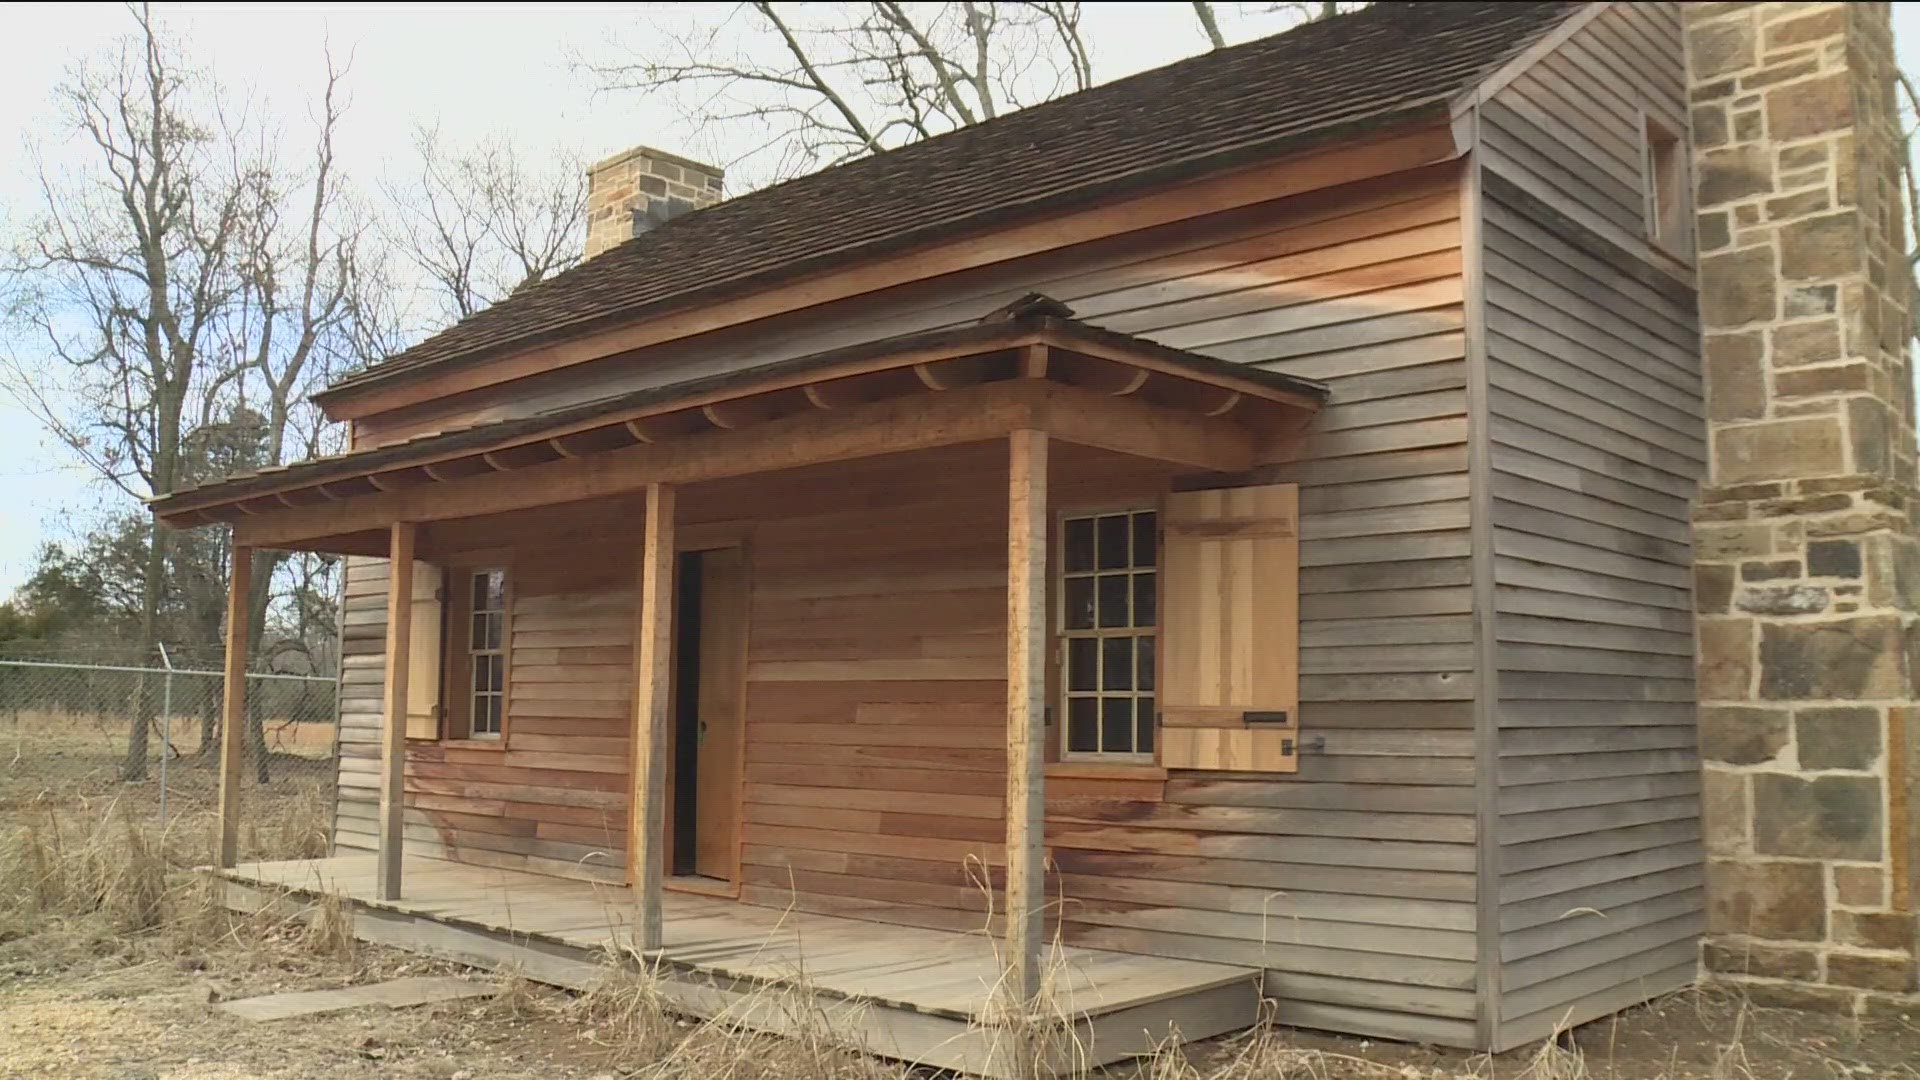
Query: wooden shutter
x: 423, y: 652
x: 1230, y: 629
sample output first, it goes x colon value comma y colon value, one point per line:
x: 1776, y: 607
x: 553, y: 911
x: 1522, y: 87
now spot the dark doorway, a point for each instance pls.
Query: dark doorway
x: 708, y: 690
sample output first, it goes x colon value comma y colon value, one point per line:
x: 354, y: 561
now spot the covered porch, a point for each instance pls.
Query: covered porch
x: 873, y: 765
x: 908, y: 993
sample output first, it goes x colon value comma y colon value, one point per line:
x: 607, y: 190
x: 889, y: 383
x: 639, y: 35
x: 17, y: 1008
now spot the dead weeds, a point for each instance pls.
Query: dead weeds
x: 111, y: 954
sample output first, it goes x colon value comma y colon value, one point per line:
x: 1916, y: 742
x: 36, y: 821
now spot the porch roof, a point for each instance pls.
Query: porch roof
x: 1033, y: 351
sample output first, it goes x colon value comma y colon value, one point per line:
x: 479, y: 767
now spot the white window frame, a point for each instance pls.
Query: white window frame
x: 1064, y: 694
x: 496, y: 655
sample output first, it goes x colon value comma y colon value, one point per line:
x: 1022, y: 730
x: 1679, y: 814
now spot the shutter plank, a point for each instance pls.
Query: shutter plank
x: 423, y: 652
x: 1230, y: 628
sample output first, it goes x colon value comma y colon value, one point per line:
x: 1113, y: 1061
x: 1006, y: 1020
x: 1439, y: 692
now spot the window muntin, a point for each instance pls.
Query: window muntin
x: 486, y: 652
x: 1108, y: 610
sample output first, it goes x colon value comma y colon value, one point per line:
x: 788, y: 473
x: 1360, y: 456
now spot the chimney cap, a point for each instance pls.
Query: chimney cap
x: 632, y: 152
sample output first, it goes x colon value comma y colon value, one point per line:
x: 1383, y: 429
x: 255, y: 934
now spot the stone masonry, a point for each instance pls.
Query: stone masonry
x: 632, y: 191
x: 1807, y: 573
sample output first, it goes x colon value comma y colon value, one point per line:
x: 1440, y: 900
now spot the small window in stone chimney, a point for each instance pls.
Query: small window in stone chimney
x: 1665, y: 169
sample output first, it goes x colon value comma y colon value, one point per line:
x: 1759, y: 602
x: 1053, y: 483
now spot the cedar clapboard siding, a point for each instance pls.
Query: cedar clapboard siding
x: 1597, y: 442
x: 553, y: 799
x: 875, y: 699
x: 1381, y: 245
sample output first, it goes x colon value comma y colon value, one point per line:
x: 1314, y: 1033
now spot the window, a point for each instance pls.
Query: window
x: 1665, y: 171
x: 1108, y: 608
x: 479, y: 682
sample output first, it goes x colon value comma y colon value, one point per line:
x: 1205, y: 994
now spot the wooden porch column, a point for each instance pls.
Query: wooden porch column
x: 652, y: 686
x: 233, y: 710
x: 1026, y: 700
x: 393, y: 713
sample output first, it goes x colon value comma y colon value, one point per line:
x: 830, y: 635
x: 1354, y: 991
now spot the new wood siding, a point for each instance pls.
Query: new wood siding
x: 875, y: 698
x: 1597, y: 441
x: 551, y: 797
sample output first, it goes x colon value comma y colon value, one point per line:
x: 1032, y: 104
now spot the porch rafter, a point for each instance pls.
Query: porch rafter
x: 970, y: 414
x: 1025, y: 367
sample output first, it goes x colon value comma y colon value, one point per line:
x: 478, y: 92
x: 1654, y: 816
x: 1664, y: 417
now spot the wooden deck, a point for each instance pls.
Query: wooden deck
x: 901, y: 992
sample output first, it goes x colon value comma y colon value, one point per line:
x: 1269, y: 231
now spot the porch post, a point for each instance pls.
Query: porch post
x: 652, y: 686
x: 233, y: 709
x: 1026, y: 693
x: 393, y: 719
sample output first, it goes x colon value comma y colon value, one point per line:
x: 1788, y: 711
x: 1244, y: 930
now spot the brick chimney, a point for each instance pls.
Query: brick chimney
x: 635, y: 190
x: 1807, y: 574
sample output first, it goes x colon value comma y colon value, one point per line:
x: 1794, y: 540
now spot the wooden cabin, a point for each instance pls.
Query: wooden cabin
x: 1223, y: 533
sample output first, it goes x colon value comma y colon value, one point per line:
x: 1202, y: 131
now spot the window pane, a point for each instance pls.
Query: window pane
x: 479, y: 592
x: 1083, y: 662
x: 1146, y: 547
x: 1116, y: 725
x: 1143, y: 600
x: 1145, y: 668
x: 1113, y: 542
x: 1143, y: 726
x: 497, y: 673
x: 1083, y: 734
x: 1116, y: 663
x: 1080, y: 544
x: 1113, y: 600
x: 493, y: 714
x: 496, y: 590
x: 1079, y: 603
x: 479, y: 638
x: 495, y: 624
x: 480, y: 672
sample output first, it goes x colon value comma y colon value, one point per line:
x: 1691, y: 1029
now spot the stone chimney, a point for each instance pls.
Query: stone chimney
x: 1807, y: 579
x: 633, y: 191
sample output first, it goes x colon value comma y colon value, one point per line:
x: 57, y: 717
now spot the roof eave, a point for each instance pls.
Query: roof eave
x: 1052, y: 330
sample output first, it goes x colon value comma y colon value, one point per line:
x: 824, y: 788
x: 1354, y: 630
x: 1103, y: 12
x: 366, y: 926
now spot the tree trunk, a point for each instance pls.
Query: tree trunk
x: 135, y: 766
x: 265, y: 563
x: 210, y: 728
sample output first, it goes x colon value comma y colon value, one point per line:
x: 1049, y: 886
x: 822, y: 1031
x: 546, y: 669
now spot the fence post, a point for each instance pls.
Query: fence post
x: 166, y: 727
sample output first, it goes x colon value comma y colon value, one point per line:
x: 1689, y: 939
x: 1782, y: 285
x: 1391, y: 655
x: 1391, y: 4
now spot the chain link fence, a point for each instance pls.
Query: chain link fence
x: 148, y: 738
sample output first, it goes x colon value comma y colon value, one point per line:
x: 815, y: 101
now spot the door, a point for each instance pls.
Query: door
x: 709, y: 689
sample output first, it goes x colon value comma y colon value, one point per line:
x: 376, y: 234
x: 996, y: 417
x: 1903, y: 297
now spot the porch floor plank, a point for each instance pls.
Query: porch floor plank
x: 932, y: 972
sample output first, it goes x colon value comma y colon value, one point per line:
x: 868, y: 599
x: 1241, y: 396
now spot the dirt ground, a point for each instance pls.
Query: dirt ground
x: 76, y: 1001
x: 109, y: 967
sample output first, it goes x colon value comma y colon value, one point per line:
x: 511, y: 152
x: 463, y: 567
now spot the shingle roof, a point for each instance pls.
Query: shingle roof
x: 1385, y: 63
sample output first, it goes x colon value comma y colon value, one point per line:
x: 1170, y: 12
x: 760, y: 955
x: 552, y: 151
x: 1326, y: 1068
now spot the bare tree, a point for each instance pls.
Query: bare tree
x: 180, y: 291
x: 300, y: 239
x: 124, y: 281
x: 822, y: 83
x: 804, y: 86
x: 1907, y: 115
x: 1210, y: 23
x: 482, y: 221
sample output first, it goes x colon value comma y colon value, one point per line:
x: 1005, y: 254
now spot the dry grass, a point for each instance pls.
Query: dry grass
x: 629, y: 1013
x: 97, y: 889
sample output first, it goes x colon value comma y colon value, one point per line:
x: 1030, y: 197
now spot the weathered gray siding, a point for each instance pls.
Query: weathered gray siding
x: 363, y: 629
x: 1597, y: 441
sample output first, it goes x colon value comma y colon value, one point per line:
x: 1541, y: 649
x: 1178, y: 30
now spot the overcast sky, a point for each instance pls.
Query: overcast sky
x: 476, y: 69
